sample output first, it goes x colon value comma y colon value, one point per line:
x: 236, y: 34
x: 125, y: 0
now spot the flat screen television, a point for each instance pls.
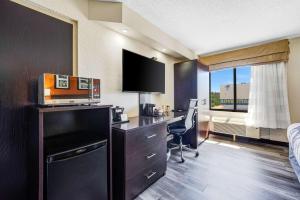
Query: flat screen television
x: 142, y: 74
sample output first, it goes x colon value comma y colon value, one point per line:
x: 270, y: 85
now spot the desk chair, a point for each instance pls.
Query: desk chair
x: 179, y: 129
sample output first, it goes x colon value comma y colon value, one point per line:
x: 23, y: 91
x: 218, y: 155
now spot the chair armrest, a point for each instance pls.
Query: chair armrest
x: 175, y: 125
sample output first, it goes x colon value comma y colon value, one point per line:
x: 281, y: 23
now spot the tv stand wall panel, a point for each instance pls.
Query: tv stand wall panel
x: 32, y: 43
x: 186, y: 87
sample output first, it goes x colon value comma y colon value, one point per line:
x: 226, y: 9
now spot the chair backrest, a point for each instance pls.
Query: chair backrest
x: 189, y: 120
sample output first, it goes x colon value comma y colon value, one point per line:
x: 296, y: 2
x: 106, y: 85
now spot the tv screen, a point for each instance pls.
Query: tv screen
x: 142, y: 74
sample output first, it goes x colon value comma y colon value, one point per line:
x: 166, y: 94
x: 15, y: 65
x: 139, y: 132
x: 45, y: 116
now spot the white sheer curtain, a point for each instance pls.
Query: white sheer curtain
x: 268, y: 99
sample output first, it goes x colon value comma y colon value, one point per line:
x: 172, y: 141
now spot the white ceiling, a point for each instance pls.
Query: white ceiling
x: 207, y: 26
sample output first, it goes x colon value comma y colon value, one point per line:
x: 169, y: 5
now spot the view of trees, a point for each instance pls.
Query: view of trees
x: 215, y: 99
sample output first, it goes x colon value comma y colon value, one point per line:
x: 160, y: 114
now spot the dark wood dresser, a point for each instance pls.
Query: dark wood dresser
x: 139, y: 155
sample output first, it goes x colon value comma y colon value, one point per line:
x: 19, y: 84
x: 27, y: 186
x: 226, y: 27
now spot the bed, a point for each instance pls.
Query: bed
x: 293, y: 134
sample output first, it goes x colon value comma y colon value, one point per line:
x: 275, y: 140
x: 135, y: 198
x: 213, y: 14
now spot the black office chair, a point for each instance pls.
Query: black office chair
x: 179, y: 129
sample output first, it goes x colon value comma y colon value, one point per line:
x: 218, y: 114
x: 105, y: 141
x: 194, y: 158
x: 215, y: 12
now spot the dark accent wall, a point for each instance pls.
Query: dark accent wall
x: 31, y: 43
x: 186, y: 87
x: 185, y: 84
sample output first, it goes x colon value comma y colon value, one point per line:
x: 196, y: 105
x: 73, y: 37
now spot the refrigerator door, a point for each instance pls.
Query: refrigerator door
x: 80, y: 174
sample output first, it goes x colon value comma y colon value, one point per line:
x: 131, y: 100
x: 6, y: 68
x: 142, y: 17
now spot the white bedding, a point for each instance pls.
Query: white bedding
x: 293, y: 134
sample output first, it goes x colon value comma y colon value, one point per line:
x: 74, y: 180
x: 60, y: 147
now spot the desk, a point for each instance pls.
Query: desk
x: 143, y: 121
x: 139, y: 150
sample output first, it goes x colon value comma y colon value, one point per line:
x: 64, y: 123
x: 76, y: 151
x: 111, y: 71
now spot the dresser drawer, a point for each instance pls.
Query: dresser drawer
x: 144, y: 159
x: 145, y: 137
x: 143, y: 180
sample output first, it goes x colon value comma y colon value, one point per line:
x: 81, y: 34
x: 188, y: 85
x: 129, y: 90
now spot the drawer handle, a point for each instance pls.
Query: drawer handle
x: 149, y: 176
x: 150, y: 156
x: 80, y: 151
x: 151, y: 136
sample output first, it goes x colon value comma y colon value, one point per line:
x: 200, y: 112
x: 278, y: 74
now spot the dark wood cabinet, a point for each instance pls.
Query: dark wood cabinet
x: 185, y: 84
x: 188, y: 85
x: 58, y: 129
x: 139, y: 155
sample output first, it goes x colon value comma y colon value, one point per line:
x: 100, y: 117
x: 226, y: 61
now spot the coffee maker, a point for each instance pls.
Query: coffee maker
x: 147, y: 109
x: 116, y: 114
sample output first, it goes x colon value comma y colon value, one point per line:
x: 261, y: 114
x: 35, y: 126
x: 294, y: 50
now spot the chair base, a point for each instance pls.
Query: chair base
x: 181, y: 147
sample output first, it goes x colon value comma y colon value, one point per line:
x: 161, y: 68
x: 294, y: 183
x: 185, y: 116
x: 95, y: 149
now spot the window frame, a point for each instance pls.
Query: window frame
x: 234, y: 95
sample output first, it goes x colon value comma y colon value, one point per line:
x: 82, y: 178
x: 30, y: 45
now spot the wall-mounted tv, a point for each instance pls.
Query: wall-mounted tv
x: 142, y: 74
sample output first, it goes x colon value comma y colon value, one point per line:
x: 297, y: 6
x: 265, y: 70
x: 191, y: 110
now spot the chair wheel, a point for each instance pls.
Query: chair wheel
x: 197, y: 154
x: 182, y: 161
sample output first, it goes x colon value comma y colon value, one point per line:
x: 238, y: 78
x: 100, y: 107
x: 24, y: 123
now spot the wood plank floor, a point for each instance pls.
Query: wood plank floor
x: 228, y: 170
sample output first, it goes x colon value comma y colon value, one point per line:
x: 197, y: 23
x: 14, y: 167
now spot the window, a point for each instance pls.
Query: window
x: 229, y: 89
x: 221, y: 90
x: 243, y: 75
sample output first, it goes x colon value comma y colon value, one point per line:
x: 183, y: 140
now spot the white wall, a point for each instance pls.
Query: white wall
x: 294, y: 80
x: 100, y: 55
x: 203, y: 96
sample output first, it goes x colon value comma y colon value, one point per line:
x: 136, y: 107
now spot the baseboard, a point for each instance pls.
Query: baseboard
x: 251, y: 140
x: 285, y: 144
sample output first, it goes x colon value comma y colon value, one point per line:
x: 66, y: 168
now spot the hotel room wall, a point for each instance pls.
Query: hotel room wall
x: 100, y: 56
x: 294, y: 80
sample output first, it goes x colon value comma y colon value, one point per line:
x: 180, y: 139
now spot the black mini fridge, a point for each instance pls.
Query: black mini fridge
x: 78, y: 174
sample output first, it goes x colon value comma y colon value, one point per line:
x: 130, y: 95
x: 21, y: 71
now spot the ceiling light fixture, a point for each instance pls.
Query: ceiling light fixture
x: 164, y: 50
